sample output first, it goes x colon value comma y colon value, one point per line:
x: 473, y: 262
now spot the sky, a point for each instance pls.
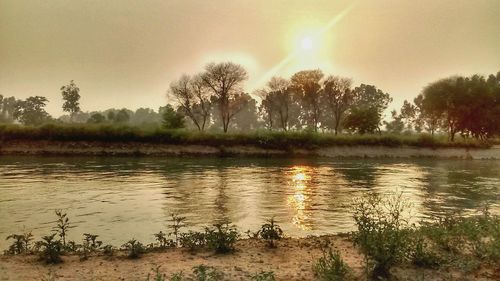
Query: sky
x: 125, y: 53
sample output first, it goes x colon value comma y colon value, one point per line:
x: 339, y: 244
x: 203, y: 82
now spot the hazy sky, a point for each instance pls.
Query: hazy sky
x: 124, y: 53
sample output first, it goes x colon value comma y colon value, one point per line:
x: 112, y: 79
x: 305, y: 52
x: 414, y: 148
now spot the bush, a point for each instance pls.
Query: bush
x: 21, y: 243
x: 50, y: 249
x: 221, y: 238
x: 264, y: 276
x: 135, y: 248
x: 178, y: 222
x: 382, y: 232
x: 331, y: 267
x: 421, y: 254
x: 193, y: 240
x: 270, y: 232
x: 62, y: 226
x: 207, y: 273
x: 163, y: 242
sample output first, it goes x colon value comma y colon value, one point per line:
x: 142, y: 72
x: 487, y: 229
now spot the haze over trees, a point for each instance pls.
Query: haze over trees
x: 309, y: 100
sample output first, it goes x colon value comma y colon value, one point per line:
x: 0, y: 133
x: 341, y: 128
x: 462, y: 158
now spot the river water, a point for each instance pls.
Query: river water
x: 119, y: 198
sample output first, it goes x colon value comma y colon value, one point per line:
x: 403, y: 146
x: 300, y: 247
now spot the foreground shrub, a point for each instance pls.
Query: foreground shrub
x: 270, y: 232
x: 178, y: 222
x: 331, y: 267
x: 221, y: 238
x: 62, y: 225
x: 135, y: 248
x: 382, y: 232
x: 50, y: 249
x: 193, y: 240
x: 207, y: 273
x: 21, y: 243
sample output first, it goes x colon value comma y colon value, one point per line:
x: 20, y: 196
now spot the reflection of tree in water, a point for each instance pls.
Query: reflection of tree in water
x: 463, y: 186
x: 361, y: 174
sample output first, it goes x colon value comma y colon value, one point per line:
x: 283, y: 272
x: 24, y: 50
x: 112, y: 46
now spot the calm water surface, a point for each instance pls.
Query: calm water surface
x: 120, y: 198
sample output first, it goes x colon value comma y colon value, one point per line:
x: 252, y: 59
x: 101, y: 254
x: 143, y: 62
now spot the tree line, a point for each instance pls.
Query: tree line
x: 309, y: 100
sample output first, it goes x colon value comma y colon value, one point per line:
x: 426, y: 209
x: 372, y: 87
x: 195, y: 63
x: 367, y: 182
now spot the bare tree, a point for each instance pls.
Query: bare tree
x: 224, y: 80
x: 193, y: 98
x: 338, y: 96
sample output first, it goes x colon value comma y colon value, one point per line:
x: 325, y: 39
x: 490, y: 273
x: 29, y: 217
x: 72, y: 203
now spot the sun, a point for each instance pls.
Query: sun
x: 306, y: 43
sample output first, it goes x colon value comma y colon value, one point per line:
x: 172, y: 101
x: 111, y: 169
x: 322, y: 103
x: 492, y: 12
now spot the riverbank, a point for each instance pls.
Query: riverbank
x: 100, y: 148
x: 293, y: 259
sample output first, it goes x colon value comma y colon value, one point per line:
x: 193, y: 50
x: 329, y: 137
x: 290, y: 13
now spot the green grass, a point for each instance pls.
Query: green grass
x: 264, y: 139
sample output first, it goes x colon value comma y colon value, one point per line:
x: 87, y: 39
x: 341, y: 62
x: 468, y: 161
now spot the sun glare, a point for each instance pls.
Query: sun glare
x: 306, y: 43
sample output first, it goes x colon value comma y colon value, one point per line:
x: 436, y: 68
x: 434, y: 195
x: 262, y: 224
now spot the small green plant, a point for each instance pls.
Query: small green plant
x: 177, y: 276
x: 108, y: 250
x: 21, y: 243
x: 207, y: 273
x: 382, y: 232
x: 50, y: 249
x: 271, y: 232
x: 157, y: 275
x: 178, y: 223
x: 135, y: 248
x: 62, y: 226
x: 421, y: 254
x: 263, y: 276
x: 193, y: 240
x: 221, y: 238
x: 163, y: 242
x: 50, y: 276
x: 90, y: 245
x: 331, y: 267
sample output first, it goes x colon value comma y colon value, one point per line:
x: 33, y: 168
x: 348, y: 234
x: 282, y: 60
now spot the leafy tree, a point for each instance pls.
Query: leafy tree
x: 224, y: 81
x: 122, y: 116
x: 337, y: 96
x: 145, y: 116
x: 71, y: 97
x: 277, y: 103
x: 247, y: 118
x: 306, y: 85
x: 396, y: 125
x: 96, y: 118
x: 172, y: 119
x: 367, y: 110
x: 31, y: 111
x: 111, y: 115
x: 7, y: 108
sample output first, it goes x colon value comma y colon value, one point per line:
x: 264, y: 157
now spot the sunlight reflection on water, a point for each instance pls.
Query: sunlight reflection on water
x: 120, y: 198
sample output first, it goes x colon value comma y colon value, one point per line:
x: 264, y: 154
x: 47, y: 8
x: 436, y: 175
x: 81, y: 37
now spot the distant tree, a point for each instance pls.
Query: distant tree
x: 306, y: 85
x: 193, y: 97
x: 31, y: 111
x: 408, y: 116
x: 172, y: 119
x: 122, y: 116
x: 247, y: 118
x: 145, y: 116
x: 71, y: 97
x: 225, y: 81
x: 111, y: 116
x: 96, y: 118
x: 337, y: 96
x: 396, y: 125
x: 367, y: 110
x: 277, y: 103
x: 7, y: 108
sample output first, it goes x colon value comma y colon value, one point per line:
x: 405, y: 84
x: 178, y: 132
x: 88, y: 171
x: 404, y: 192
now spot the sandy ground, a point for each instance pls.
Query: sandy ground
x: 292, y: 260
x: 149, y: 149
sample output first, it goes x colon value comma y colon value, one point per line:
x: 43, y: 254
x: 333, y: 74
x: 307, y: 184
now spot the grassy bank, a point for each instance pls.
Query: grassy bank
x: 264, y: 139
x: 384, y: 246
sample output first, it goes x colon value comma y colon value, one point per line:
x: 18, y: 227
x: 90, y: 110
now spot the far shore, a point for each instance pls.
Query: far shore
x: 96, y: 148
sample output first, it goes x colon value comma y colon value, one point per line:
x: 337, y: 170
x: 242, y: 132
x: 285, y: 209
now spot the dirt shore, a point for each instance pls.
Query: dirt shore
x: 150, y: 149
x: 292, y: 260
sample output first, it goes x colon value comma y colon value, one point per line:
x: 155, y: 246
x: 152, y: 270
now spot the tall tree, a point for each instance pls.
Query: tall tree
x: 7, y: 108
x: 307, y: 86
x: 368, y: 108
x: 225, y: 81
x: 32, y: 111
x: 337, y: 96
x: 277, y: 102
x: 71, y: 97
x: 194, y: 99
x: 172, y: 119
